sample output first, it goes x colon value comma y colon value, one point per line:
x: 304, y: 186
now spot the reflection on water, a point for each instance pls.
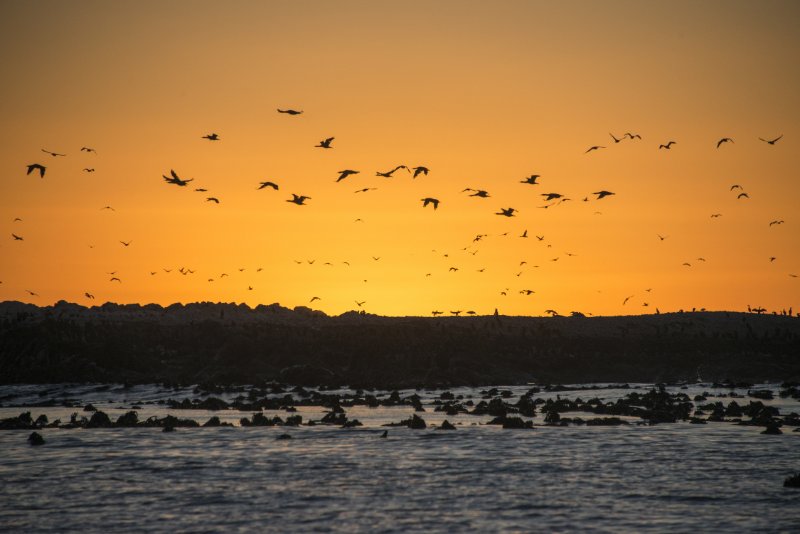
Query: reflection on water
x: 677, y: 477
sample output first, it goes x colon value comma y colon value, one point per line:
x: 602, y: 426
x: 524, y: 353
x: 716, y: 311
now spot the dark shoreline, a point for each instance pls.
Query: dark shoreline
x: 230, y: 344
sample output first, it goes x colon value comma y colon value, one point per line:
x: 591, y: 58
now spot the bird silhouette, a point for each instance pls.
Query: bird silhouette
x: 289, y: 111
x: 435, y: 313
x: 313, y: 299
x: 524, y: 234
x: 772, y: 258
x: 17, y: 238
x: 175, y: 179
x: 88, y: 169
x: 212, y: 199
x: 615, y: 139
x: 530, y: 180
x: 662, y: 237
x: 595, y: 147
x: 506, y: 212
x: 453, y: 269
x: 31, y: 293
x: 201, y: 190
x: 551, y: 196
x: 715, y: 215
x: 298, y: 199
x: 126, y: 243
x: 527, y: 292
x: 735, y: 186
x: 109, y: 208
x: 668, y: 146
x: 603, y: 194
x: 624, y: 302
x: 87, y: 149
x: 773, y: 141
x: 540, y: 237
x: 37, y: 167
x: 345, y: 173
x: 88, y: 295
x: 325, y: 143
x: 632, y: 136
x: 742, y: 195
x: 724, y: 140
x: 273, y: 185
x: 366, y: 189
x: 211, y: 137
x: 388, y: 174
x: 420, y: 170
x: 776, y: 222
x: 359, y: 304
x: 429, y: 200
x: 54, y: 154
x: 115, y: 279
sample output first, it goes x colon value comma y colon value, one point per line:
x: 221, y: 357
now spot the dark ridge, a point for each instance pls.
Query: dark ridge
x: 230, y: 343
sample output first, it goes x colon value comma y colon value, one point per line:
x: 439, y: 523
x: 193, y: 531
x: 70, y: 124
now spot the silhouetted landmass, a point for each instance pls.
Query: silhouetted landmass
x: 229, y: 343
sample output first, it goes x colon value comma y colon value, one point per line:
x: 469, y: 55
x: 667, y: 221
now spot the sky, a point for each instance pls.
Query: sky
x: 483, y: 94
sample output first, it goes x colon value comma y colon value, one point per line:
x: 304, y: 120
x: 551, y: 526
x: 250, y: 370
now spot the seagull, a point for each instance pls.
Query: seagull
x: 715, y: 215
x: 87, y: 149
x: 376, y: 258
x: 31, y: 293
x: 201, y: 190
x: 429, y: 200
x: 615, y: 139
x: 540, y: 237
x: 366, y: 189
x: 17, y: 219
x: 89, y: 295
x: 624, y: 302
x: 345, y: 173
x: 127, y: 244
x: 776, y: 222
x: 667, y: 146
x: 595, y: 147
x: 88, y: 169
x: 313, y: 299
x: 211, y: 137
x: 453, y: 269
x: 175, y: 179
x: 735, y: 186
x: 54, y: 154
x: 388, y: 174
x: 420, y: 170
x: 724, y: 140
x: 212, y: 199
x: 524, y: 234
x: 298, y: 199
x: 773, y: 141
x: 17, y: 238
x: 325, y: 143
x: 662, y: 237
x: 603, y: 194
x: 742, y: 195
x: 480, y: 193
x: 551, y: 196
x: 506, y: 212
x: 359, y: 304
x: 273, y: 185
x: 632, y: 136
x: 37, y: 167
x: 289, y: 111
x: 530, y: 180
x: 107, y: 208
x: 115, y: 279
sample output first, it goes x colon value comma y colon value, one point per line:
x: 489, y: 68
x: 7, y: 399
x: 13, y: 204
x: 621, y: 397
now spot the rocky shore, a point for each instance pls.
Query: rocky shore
x: 229, y: 343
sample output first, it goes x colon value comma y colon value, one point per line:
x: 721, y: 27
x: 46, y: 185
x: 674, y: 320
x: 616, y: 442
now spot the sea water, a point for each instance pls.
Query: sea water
x: 673, y: 477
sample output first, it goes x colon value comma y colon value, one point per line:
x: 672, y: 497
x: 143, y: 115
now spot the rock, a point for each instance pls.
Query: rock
x: 99, y: 420
x: 352, y: 423
x: 284, y: 436
x: 791, y: 482
x: 446, y: 425
x: 552, y: 418
x: 516, y: 422
x: 89, y: 408
x: 697, y: 421
x: 294, y: 420
x: 168, y: 428
x: 35, y: 439
x: 214, y: 421
x: 606, y: 421
x: 128, y: 419
x: 773, y: 429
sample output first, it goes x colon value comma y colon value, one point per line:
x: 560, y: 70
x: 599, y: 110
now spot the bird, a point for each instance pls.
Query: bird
x: 115, y: 279
x: 366, y: 189
x: 359, y: 304
x: 388, y: 174
x: 735, y: 186
x: 107, y: 208
x: 662, y: 237
x: 632, y: 136
x: 527, y: 292
x: 201, y: 190
x: 595, y: 147
x: 212, y: 199
x: 54, y: 154
x: 126, y: 243
x: 506, y: 212
x: 313, y: 299
x: 435, y: 313
x: 32, y: 293
x: 263, y: 185
x: 540, y: 237
x: 430, y: 200
x: 772, y: 258
x: 17, y: 238
x: 742, y: 195
x: 603, y: 194
x: 175, y: 179
x: 249, y: 288
x: 88, y: 169
x: 420, y: 170
x: 715, y: 215
x: 37, y: 167
x: 89, y: 295
x: 376, y: 258
x: 668, y: 146
x: 724, y: 140
x: 211, y: 137
x: 530, y: 180
x: 17, y: 219
x: 480, y: 193
x: 615, y: 139
x: 345, y: 173
x: 456, y: 313
x: 776, y: 222
x: 289, y: 111
x: 453, y: 269
x: 326, y: 143
x: 524, y: 234
x: 624, y: 302
x: 298, y: 199
x: 773, y: 141
x: 551, y: 196
x: 87, y: 149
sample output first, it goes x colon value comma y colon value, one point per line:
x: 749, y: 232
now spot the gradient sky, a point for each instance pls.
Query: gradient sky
x: 482, y: 93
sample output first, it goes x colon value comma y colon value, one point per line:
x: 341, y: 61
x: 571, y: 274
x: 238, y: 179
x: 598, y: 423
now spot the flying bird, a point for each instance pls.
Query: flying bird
x: 632, y: 136
x: 212, y: 199
x: 551, y: 196
x: 345, y: 173
x: 595, y: 147
x: 525, y: 233
x: 359, y: 304
x: 17, y: 238
x: 107, y: 208
x: 527, y: 292
x: 326, y: 143
x: 724, y: 140
x: 211, y: 137
x: 388, y: 174
x: 273, y: 185
x: 175, y: 179
x: 87, y: 149
x: 313, y: 299
x: 603, y: 194
x: 668, y: 146
x: 420, y: 170
x: 127, y: 244
x: 366, y: 189
x: 89, y: 295
x: 115, y: 279
x: 615, y: 139
x: 715, y: 215
x: 31, y: 293
x: 742, y: 195
x: 201, y: 190
x: 530, y: 180
x: 662, y: 237
x: 735, y: 186
x: 54, y: 154
x: 480, y: 193
x: 298, y: 199
x: 36, y: 167
x: 773, y: 141
x: 429, y: 200
x: 506, y: 212
x: 776, y: 222
x: 88, y: 169
x: 289, y: 111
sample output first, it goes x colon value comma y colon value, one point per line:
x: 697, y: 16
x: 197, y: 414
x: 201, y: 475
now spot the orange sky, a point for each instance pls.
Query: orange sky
x: 482, y: 93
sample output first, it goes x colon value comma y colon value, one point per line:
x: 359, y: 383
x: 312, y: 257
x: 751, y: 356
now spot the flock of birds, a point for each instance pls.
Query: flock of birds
x: 550, y: 199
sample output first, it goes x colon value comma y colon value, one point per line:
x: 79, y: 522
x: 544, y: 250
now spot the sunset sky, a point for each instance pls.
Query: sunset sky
x: 484, y: 94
